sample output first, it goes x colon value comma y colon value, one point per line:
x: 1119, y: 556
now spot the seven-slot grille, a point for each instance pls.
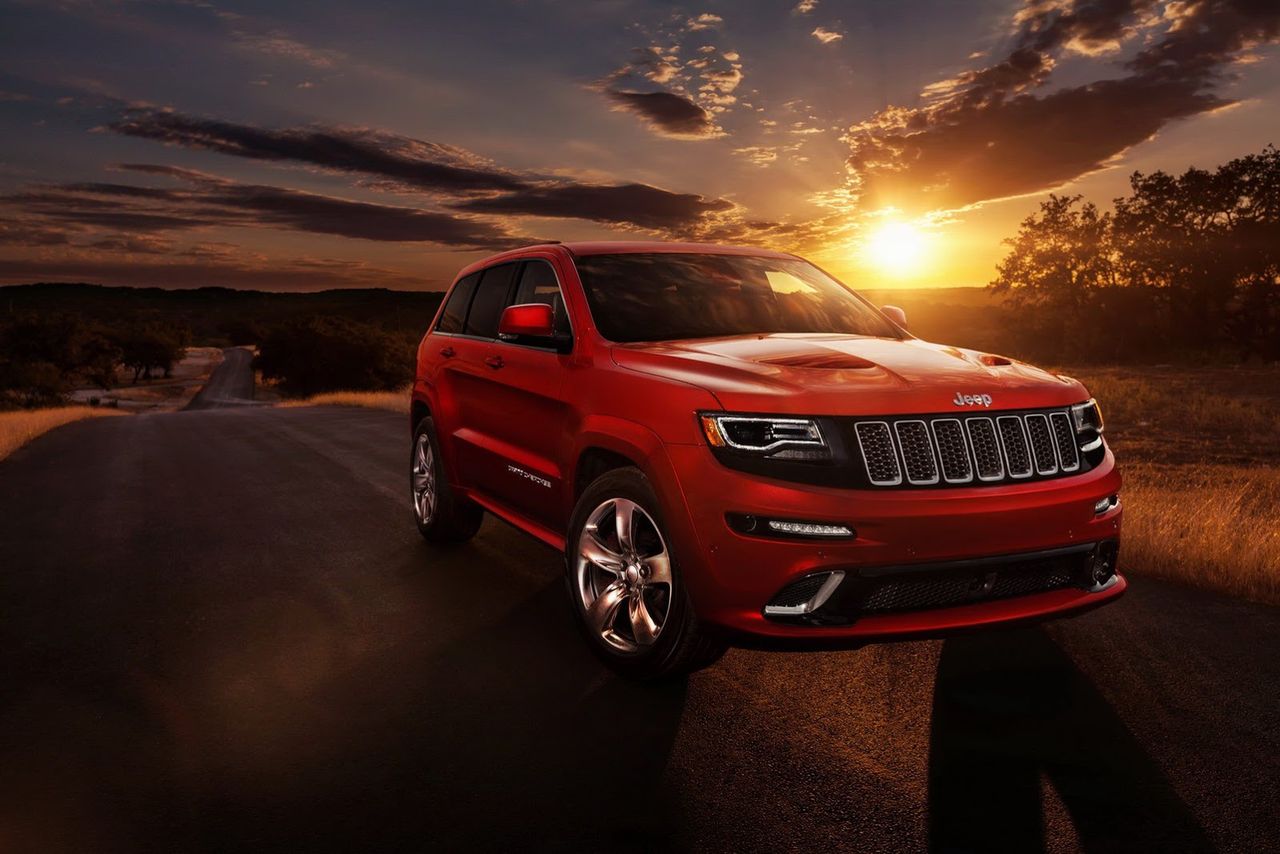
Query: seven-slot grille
x: 927, y: 450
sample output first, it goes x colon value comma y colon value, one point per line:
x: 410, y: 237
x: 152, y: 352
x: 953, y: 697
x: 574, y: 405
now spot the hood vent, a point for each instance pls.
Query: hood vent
x: 994, y: 361
x: 821, y: 361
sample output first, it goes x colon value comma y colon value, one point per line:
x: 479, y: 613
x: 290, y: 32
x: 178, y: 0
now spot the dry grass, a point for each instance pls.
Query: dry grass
x: 1215, y: 526
x: 1200, y: 452
x: 395, y: 401
x: 19, y: 428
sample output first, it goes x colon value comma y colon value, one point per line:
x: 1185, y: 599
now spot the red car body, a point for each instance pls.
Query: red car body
x: 522, y: 429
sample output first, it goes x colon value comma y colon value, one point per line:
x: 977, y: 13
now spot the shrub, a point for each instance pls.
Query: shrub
x: 320, y: 354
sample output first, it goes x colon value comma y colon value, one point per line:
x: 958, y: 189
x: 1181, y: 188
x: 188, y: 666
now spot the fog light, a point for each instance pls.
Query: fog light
x: 748, y: 524
x: 1104, y: 563
x: 1103, y: 505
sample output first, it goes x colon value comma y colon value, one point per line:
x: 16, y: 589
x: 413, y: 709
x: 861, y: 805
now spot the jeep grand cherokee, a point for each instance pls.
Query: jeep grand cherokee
x: 728, y: 442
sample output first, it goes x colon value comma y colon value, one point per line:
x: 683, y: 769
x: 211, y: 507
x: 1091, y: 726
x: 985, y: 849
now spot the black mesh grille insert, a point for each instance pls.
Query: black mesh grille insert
x: 986, y: 450
x: 1066, y: 440
x: 917, y: 452
x: 962, y: 587
x: 1014, y: 441
x: 1042, y: 452
x: 878, y: 453
x: 953, y: 454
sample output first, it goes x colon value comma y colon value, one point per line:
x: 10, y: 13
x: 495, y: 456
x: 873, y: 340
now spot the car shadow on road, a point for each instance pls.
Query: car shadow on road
x: 1010, y: 710
x: 509, y: 736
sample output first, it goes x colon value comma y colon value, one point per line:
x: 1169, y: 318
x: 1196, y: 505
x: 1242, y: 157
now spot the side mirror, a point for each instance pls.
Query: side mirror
x: 895, y: 314
x: 533, y: 320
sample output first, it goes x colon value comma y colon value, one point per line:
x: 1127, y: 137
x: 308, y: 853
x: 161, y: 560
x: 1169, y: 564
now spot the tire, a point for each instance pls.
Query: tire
x: 442, y: 515
x: 626, y: 593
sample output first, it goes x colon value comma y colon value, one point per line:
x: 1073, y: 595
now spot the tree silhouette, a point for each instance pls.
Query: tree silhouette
x: 1187, y: 263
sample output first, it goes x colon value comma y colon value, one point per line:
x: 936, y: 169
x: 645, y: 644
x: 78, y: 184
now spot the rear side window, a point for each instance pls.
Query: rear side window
x: 455, y: 310
x: 538, y: 284
x: 491, y: 298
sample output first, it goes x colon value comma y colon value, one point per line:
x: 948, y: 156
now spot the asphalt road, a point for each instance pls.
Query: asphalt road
x: 219, y: 630
x: 230, y: 384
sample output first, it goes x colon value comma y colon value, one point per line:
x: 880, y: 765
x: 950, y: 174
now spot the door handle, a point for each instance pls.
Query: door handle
x: 494, y: 362
x: 448, y: 352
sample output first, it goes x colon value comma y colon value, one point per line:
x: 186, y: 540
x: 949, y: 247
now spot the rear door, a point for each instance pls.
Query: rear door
x: 464, y: 334
x: 521, y: 423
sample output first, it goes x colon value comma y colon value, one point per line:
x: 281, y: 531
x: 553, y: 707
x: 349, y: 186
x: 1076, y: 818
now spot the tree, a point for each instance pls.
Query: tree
x: 1058, y: 263
x: 151, y: 344
x: 1185, y: 263
x: 334, y: 354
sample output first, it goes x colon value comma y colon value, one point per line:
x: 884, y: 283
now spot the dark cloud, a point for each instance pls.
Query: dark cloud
x: 638, y: 204
x: 987, y: 134
x: 666, y: 112
x: 420, y: 166
x: 415, y: 163
x: 211, y: 201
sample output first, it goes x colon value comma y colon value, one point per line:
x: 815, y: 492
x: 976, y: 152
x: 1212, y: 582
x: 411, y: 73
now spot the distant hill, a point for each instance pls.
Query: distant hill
x: 222, y: 315
x: 966, y: 317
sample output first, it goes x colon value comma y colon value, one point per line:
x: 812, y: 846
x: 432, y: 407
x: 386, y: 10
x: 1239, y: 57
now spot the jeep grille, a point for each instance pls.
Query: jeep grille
x: 946, y: 449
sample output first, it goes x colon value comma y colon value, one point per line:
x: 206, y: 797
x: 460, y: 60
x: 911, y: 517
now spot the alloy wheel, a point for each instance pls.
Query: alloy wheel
x: 423, y: 476
x: 623, y: 575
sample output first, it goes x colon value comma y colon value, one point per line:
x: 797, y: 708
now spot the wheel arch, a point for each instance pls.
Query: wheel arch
x: 418, y: 410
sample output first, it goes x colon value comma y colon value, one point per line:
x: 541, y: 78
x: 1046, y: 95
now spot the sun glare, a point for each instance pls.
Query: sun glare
x: 896, y: 248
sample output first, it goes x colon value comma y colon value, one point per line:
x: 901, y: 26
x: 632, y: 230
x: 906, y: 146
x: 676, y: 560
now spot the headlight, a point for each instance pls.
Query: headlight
x: 1088, y: 423
x: 766, y: 436
x: 1087, y: 416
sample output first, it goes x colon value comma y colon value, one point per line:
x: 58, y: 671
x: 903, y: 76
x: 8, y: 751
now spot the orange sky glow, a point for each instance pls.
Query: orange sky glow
x: 895, y: 144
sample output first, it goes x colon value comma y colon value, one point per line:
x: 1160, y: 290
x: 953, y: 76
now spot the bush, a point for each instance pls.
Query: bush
x: 320, y: 354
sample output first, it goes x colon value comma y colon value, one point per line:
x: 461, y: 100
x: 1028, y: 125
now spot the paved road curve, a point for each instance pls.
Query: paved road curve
x: 220, y: 630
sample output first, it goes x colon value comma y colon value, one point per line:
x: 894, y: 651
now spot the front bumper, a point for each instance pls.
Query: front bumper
x: 731, y: 576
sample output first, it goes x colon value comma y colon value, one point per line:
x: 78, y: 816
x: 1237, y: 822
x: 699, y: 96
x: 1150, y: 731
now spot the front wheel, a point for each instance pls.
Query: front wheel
x: 442, y: 515
x: 625, y: 585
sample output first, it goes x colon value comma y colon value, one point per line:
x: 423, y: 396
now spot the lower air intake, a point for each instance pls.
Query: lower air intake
x: 799, y: 592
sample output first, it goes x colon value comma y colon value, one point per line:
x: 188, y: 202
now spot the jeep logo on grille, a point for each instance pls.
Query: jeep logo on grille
x: 972, y: 399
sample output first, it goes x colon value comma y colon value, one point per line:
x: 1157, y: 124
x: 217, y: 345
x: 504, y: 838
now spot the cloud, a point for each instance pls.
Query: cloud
x: 667, y: 113
x: 804, y: 7
x: 704, y: 21
x: 826, y: 36
x: 645, y: 206
x: 416, y: 163
x: 990, y: 133
x: 421, y: 166
x: 692, y: 93
x: 208, y: 201
x: 281, y: 46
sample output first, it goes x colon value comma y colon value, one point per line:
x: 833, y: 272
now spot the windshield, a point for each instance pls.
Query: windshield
x: 665, y: 296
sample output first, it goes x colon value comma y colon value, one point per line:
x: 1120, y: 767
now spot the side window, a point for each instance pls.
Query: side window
x: 538, y: 284
x: 455, y: 310
x: 491, y: 299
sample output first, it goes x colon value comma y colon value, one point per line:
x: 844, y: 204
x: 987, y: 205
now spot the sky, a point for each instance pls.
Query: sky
x: 323, y: 144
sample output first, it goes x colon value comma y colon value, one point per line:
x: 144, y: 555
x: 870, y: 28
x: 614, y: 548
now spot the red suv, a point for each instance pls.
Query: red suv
x: 729, y: 443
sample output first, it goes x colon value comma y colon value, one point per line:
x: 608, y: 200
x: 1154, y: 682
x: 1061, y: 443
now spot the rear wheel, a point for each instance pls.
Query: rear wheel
x: 625, y: 585
x: 442, y: 515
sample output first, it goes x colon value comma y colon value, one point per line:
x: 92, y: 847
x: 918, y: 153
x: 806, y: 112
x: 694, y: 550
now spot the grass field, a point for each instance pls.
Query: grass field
x: 1200, y: 452
x: 18, y: 428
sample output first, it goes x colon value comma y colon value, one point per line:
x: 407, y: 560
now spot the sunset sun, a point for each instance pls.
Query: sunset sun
x: 896, y: 248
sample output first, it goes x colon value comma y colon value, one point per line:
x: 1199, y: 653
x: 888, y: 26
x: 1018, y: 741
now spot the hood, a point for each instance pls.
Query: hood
x: 818, y: 374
